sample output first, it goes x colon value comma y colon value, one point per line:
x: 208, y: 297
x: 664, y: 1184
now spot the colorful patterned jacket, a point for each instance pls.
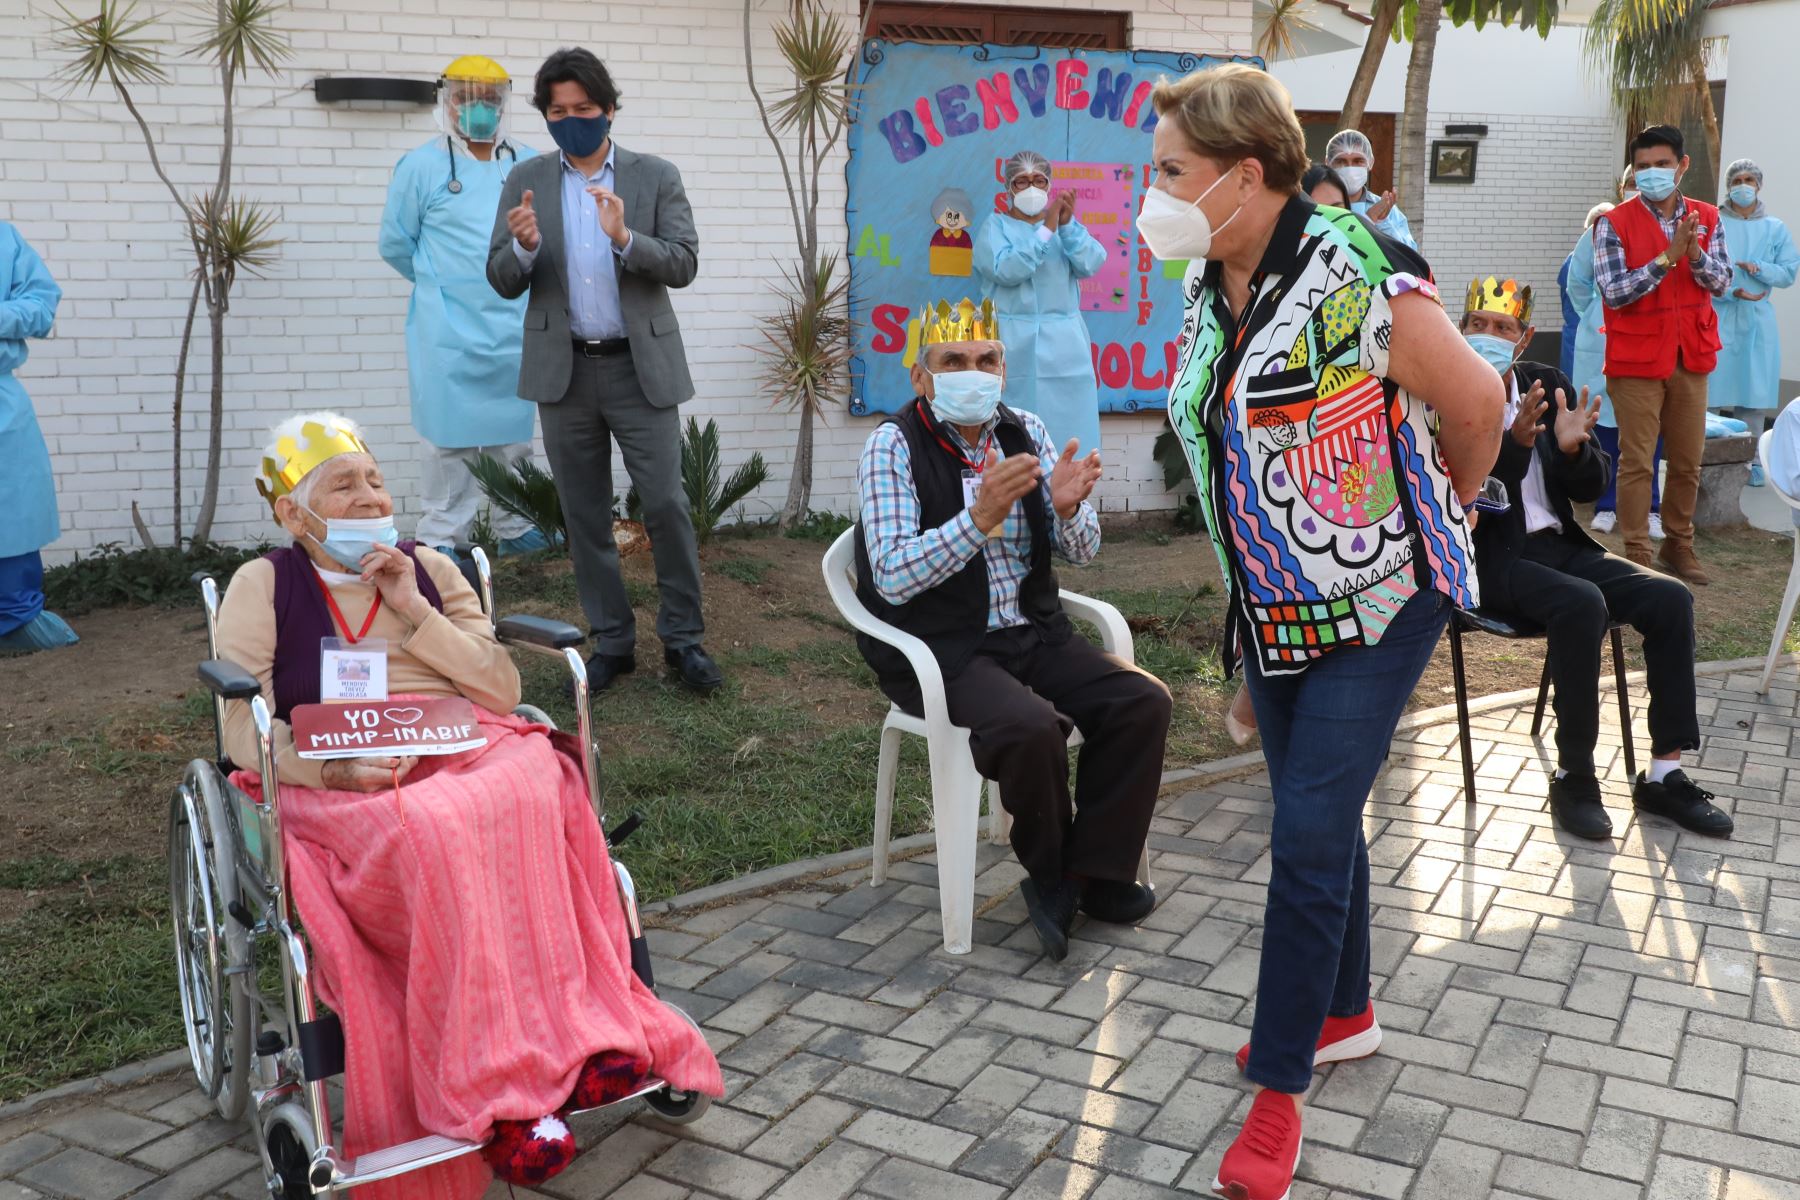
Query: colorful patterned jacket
x: 1328, y: 503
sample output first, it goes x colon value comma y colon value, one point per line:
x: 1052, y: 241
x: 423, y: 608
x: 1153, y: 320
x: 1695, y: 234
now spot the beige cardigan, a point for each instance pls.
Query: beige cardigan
x: 452, y: 653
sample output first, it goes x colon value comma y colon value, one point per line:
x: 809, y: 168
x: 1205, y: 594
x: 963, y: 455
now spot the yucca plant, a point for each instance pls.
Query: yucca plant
x: 1652, y: 54
x: 1282, y: 22
x: 228, y: 234
x: 806, y: 342
x: 525, y: 490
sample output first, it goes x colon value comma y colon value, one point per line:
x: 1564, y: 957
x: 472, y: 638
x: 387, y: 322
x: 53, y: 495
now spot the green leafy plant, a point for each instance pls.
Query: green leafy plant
x: 710, y: 498
x: 113, y: 575
x: 525, y: 490
x: 1652, y: 54
x: 818, y: 526
x: 806, y: 342
x: 227, y: 234
x: 1172, y: 459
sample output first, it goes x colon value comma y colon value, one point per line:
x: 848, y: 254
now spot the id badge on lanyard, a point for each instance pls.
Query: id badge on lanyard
x: 352, y: 671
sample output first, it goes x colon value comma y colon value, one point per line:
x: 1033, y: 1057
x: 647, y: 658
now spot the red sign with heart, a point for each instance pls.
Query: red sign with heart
x: 414, y: 726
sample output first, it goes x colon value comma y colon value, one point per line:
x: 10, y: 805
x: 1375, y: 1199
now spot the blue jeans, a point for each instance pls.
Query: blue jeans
x: 1608, y: 437
x: 1325, y: 734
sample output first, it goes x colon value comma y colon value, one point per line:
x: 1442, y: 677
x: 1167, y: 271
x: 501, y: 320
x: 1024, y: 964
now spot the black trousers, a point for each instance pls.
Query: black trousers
x: 1019, y: 699
x: 1573, y: 590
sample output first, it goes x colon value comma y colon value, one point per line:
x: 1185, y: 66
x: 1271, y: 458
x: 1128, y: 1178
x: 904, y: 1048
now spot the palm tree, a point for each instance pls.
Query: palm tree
x: 1280, y: 23
x: 1385, y: 14
x: 1411, y: 150
x: 1653, y: 55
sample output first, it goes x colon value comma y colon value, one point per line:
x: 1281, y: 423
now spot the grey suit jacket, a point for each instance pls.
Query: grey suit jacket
x: 665, y: 253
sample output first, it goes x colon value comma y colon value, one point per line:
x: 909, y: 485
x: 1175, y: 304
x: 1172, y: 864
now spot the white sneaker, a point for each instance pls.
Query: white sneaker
x: 1656, y: 529
x: 1605, y: 521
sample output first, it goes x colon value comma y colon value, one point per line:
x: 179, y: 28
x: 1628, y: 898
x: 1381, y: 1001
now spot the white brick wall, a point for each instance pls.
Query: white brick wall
x: 1535, y: 179
x: 325, y: 329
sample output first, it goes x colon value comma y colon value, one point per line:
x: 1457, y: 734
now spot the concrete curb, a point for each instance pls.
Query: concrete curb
x: 823, y: 867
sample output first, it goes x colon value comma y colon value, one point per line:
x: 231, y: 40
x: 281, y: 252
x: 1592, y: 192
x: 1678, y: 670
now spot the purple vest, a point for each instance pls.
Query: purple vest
x: 302, y: 620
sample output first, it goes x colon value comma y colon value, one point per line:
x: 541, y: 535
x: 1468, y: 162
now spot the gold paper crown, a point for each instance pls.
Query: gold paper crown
x: 960, y: 322
x: 1490, y: 295
x: 278, y: 475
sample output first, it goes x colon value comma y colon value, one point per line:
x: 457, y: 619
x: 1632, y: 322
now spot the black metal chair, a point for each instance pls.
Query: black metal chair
x: 1477, y: 620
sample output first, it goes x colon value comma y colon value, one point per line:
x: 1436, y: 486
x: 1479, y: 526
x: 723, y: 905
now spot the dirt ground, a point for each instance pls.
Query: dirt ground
x: 92, y: 737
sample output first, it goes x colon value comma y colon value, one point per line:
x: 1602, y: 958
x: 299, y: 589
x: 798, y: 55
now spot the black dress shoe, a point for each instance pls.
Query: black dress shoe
x: 1052, y: 911
x: 602, y: 669
x: 1575, y: 805
x: 695, y: 667
x: 1682, y: 801
x: 1116, y: 902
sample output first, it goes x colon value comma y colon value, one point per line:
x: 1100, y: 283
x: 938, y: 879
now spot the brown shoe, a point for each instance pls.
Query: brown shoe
x: 1678, y: 560
x: 1641, y: 558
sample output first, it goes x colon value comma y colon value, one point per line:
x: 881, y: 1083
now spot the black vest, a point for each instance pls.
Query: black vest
x: 952, y: 617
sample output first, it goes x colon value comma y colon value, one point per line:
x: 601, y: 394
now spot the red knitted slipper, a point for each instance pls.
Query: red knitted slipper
x: 529, y: 1152
x: 606, y: 1078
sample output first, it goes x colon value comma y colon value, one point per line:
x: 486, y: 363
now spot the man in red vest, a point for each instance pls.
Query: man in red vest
x: 1658, y: 261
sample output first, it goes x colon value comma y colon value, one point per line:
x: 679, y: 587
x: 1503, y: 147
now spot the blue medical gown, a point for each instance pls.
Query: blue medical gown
x: 462, y: 338
x: 1395, y: 224
x: 1590, y: 335
x: 28, y: 300
x: 1035, y: 286
x: 1749, y: 370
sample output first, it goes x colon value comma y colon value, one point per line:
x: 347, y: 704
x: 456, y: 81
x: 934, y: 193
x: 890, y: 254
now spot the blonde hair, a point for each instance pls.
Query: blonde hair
x: 1233, y: 112
x: 1596, y: 212
x: 1627, y: 179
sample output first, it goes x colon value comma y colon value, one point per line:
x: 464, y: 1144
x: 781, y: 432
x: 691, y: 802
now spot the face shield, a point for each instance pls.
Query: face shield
x: 474, y: 110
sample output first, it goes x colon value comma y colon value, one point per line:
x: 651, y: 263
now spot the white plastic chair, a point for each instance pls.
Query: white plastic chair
x: 1793, y: 584
x: 956, y: 785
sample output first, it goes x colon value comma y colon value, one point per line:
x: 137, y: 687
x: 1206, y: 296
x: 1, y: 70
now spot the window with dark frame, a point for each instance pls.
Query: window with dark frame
x: 973, y: 24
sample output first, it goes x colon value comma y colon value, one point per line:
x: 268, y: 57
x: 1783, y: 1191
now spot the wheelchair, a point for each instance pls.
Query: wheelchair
x: 268, y: 1049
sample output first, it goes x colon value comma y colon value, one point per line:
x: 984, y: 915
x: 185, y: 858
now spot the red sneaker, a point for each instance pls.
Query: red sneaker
x: 527, y: 1153
x: 1260, y: 1164
x: 1342, y: 1039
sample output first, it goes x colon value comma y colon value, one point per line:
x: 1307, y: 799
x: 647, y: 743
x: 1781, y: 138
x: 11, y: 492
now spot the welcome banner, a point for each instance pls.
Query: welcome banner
x: 935, y: 124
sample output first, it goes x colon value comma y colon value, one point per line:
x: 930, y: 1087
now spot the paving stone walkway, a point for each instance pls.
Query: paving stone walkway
x: 1566, y: 1021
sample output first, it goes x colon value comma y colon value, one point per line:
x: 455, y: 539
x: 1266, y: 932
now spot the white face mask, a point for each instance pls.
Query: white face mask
x: 1031, y: 201
x: 1355, y: 178
x: 1174, y: 230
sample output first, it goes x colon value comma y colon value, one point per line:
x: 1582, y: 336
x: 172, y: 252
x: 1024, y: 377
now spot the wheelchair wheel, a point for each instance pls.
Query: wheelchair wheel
x: 678, y: 1108
x: 215, y: 1005
x: 287, y: 1144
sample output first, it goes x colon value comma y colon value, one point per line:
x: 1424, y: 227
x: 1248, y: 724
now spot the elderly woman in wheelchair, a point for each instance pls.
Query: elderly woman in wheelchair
x: 480, y: 952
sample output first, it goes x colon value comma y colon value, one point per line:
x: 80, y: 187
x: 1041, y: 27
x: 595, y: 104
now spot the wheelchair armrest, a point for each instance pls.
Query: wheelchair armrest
x: 227, y: 680
x: 543, y: 633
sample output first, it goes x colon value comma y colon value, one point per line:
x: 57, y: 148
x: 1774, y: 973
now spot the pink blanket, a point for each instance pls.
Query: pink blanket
x: 472, y: 939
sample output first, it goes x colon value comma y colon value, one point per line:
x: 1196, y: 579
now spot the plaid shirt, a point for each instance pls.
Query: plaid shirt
x: 1620, y: 285
x: 907, y: 560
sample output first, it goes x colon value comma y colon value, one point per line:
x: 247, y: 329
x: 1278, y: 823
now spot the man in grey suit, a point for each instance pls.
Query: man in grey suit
x: 598, y: 235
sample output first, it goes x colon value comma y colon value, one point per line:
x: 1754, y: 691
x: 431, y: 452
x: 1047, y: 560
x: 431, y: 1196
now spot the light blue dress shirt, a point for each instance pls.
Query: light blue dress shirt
x: 591, y: 272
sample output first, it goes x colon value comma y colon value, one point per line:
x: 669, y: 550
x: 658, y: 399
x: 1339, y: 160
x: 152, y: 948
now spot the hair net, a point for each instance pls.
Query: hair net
x: 1740, y: 167
x: 1026, y: 162
x: 1345, y: 140
x: 1596, y: 212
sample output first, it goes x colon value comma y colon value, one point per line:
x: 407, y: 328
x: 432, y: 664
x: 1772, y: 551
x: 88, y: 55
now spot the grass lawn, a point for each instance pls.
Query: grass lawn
x: 779, y: 766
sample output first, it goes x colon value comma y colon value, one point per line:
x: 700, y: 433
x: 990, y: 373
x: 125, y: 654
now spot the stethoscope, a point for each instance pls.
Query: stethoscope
x: 455, y: 184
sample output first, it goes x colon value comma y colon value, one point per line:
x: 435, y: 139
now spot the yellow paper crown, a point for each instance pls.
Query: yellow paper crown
x: 1491, y: 295
x: 960, y: 322
x: 278, y: 475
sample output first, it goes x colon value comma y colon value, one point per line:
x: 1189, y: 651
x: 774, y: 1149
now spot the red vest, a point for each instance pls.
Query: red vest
x: 1641, y: 338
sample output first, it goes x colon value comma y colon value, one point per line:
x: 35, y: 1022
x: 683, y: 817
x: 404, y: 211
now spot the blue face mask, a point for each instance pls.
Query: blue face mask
x: 478, y: 120
x: 965, y: 397
x: 1656, y: 183
x: 1743, y: 195
x: 1498, y: 352
x: 578, y: 137
x: 349, y: 540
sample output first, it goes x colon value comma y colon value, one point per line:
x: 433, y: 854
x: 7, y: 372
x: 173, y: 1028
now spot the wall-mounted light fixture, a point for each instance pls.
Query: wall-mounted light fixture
x: 350, y: 89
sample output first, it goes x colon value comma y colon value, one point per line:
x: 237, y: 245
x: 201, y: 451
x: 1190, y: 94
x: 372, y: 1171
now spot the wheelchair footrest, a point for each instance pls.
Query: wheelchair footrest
x: 398, y: 1160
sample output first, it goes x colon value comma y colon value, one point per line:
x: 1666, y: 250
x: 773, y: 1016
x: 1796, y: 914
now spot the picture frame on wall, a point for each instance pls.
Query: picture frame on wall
x: 1453, y: 160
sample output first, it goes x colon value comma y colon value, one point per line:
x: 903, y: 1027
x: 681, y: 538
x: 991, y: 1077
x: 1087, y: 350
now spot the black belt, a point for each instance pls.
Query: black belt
x: 603, y: 348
